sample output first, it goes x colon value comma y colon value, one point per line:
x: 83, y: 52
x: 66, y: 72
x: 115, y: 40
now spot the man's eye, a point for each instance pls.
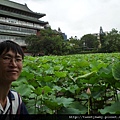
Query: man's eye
x: 19, y: 60
x: 6, y: 58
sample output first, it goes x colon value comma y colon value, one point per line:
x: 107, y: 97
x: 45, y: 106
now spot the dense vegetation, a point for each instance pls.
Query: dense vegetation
x: 76, y: 84
x: 51, y: 42
x: 48, y: 43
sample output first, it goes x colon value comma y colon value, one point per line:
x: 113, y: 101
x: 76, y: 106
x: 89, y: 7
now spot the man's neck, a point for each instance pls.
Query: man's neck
x: 4, y: 89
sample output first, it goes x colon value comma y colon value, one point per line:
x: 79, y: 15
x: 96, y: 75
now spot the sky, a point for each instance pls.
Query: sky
x: 78, y: 17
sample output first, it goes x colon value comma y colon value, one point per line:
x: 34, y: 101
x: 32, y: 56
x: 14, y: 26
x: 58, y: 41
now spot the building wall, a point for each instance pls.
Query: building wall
x: 15, y: 28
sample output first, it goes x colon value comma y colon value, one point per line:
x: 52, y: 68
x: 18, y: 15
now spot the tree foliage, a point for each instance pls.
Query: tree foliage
x: 33, y: 43
x: 89, y: 41
x: 111, y: 42
x: 49, y: 42
x: 75, y: 45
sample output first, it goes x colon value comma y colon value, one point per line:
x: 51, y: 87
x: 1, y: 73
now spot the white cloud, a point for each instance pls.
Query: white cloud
x: 78, y: 17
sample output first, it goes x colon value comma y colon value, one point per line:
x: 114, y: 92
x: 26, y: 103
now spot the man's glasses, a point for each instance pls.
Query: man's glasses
x: 8, y: 59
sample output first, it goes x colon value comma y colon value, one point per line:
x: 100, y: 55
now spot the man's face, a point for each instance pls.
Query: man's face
x: 10, y: 66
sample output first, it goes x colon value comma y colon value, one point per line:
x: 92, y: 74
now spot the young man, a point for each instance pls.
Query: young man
x: 11, y: 57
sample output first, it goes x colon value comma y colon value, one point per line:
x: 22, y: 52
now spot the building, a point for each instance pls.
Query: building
x: 61, y: 33
x: 18, y: 21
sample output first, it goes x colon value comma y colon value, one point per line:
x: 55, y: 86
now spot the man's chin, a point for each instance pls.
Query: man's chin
x: 12, y: 79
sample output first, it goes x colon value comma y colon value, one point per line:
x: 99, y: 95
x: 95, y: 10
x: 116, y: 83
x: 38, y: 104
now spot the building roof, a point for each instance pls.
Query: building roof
x: 19, y: 6
x: 22, y: 17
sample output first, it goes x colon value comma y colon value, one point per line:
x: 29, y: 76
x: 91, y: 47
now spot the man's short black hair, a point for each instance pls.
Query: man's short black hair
x: 10, y: 45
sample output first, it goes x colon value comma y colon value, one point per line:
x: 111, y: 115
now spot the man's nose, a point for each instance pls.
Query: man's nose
x: 13, y: 62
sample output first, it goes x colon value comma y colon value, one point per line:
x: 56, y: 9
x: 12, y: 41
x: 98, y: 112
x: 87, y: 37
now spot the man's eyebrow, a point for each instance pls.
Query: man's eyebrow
x: 7, y: 55
x: 17, y: 56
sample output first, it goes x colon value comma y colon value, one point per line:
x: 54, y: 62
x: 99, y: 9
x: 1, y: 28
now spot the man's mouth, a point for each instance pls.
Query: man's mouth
x: 13, y: 71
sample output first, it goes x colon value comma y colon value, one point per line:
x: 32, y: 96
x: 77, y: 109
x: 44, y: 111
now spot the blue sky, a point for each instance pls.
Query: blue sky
x: 78, y: 17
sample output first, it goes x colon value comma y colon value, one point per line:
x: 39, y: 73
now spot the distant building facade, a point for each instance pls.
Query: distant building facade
x: 18, y: 21
x: 63, y: 34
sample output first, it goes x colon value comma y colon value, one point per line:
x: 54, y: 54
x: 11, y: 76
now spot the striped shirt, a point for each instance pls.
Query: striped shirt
x: 14, y: 104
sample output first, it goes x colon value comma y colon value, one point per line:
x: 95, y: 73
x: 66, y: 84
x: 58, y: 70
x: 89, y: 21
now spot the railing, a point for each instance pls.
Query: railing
x: 20, y: 42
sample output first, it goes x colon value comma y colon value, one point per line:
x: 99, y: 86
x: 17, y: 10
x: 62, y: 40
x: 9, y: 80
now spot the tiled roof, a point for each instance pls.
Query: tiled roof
x: 18, y: 6
x: 22, y: 17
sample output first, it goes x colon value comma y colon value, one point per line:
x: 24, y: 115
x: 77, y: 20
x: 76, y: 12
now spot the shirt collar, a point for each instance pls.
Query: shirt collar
x: 11, y: 96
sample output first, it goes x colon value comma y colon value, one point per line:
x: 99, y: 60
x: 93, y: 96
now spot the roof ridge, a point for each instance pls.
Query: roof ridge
x: 15, y: 5
x: 21, y: 4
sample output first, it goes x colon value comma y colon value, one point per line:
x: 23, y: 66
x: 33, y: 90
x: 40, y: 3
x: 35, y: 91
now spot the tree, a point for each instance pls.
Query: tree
x: 75, y: 45
x: 111, y: 42
x: 33, y: 44
x: 50, y: 42
x: 89, y: 42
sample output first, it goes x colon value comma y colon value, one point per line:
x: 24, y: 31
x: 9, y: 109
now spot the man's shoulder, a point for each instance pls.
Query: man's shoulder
x: 21, y: 106
x: 13, y: 92
x: 14, y: 95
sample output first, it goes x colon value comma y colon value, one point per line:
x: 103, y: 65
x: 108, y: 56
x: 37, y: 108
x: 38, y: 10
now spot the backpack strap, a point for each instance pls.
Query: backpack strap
x: 16, y: 102
x: 19, y: 104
